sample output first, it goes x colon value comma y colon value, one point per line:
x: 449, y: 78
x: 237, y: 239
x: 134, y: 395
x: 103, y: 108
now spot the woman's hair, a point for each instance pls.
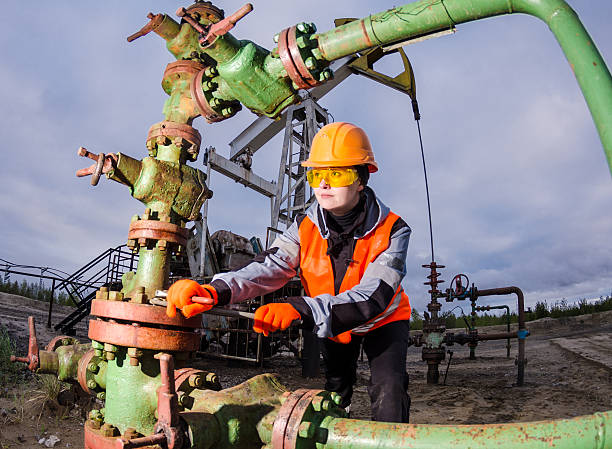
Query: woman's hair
x: 364, y: 174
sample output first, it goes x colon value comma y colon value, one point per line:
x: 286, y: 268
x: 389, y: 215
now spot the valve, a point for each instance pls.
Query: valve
x: 167, y: 404
x: 209, y: 34
x: 32, y: 359
x: 457, y: 289
x: 104, y: 164
x: 154, y: 22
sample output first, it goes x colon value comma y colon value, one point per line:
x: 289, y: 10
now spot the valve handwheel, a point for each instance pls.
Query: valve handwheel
x: 457, y: 286
x: 104, y: 164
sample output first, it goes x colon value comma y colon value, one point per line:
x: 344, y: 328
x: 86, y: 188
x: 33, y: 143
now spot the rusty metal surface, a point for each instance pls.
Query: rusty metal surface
x: 157, y: 439
x: 82, y: 371
x: 143, y: 313
x: 173, y: 129
x: 198, y: 97
x: 143, y: 337
x: 282, y: 419
x: 293, y: 424
x: 104, y: 164
x: 168, y: 421
x: 60, y: 340
x: 296, y: 56
x: 32, y: 358
x: 95, y: 440
x: 208, y: 12
x: 522, y: 332
x: 159, y: 230
x: 285, y: 56
x: 224, y: 26
x: 154, y: 22
x: 181, y: 67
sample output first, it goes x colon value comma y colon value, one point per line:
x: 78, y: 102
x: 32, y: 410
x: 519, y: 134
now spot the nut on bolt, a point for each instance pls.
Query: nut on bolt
x: 303, y: 41
x: 195, y: 380
x: 110, y: 351
x: 311, y: 63
x: 307, y: 429
x: 211, y: 72
x: 108, y: 430
x: 212, y: 378
x: 134, y: 354
x: 115, y: 296
x: 140, y: 297
x: 336, y: 398
x: 316, y: 403
x: 102, y: 293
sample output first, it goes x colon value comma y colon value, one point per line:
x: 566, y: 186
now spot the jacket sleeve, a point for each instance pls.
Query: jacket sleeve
x: 267, y: 272
x: 330, y: 315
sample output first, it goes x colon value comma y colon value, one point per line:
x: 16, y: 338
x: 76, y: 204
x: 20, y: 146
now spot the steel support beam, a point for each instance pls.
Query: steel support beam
x: 241, y: 175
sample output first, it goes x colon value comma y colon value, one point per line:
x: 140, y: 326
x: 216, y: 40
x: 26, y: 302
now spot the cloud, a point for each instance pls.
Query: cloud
x: 520, y: 191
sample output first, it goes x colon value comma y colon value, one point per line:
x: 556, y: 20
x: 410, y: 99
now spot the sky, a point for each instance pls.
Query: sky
x: 520, y: 189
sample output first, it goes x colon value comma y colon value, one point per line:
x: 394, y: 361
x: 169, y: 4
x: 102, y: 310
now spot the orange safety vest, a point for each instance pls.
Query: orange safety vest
x: 318, y: 277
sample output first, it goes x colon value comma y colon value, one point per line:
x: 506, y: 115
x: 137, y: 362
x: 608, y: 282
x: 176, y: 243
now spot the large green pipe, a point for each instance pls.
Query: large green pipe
x: 429, y: 16
x: 584, y: 432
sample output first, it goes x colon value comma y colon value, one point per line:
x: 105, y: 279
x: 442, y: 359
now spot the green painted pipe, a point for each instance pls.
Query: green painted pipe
x: 429, y: 16
x: 63, y: 362
x: 131, y: 398
x: 584, y: 432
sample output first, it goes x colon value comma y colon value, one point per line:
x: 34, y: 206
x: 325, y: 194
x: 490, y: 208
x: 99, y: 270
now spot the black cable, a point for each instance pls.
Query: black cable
x: 426, y: 190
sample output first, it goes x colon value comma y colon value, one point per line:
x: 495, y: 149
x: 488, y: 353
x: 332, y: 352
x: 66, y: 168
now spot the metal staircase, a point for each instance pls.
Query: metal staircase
x: 81, y: 286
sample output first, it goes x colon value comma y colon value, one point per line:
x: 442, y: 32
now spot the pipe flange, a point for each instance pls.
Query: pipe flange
x: 286, y: 58
x: 61, y: 340
x: 297, y: 57
x: 183, y: 69
x: 433, y: 355
x: 300, y: 417
x: 141, y: 313
x: 199, y: 98
x: 84, y: 374
x: 296, y: 50
x: 143, y: 337
x: 171, y: 130
x: 208, y: 13
x: 158, y: 230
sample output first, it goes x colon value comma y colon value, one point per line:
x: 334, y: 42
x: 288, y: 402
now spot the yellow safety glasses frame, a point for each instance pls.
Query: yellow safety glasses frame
x: 333, y: 176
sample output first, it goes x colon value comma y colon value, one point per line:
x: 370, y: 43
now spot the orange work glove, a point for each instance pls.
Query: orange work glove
x: 274, y: 316
x: 180, y: 294
x: 343, y: 338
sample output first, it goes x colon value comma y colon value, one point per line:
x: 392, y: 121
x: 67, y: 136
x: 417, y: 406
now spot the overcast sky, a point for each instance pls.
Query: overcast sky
x: 521, y: 193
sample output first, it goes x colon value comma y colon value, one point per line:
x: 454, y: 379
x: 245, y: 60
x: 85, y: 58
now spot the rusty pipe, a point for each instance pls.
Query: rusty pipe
x: 522, y: 329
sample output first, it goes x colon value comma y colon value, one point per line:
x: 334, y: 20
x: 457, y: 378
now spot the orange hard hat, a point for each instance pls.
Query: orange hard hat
x: 341, y: 144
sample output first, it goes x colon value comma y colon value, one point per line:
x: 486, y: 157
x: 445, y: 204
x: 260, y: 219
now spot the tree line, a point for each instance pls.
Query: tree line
x: 452, y: 320
x: 35, y: 290
x: 542, y: 309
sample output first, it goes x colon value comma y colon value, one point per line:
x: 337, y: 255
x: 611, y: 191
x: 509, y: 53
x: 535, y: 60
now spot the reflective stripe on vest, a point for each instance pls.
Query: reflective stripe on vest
x: 318, y: 276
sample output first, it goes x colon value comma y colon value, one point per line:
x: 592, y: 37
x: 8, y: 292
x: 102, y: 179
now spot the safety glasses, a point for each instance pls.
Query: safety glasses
x: 333, y: 177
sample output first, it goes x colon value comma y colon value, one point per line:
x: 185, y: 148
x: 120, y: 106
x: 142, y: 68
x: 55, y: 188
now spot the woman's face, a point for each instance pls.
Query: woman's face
x: 338, y: 200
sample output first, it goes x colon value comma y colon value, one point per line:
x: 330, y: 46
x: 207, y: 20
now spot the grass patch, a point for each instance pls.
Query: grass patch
x: 8, y: 369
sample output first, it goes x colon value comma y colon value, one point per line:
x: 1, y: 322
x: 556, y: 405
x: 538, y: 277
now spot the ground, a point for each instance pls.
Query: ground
x: 569, y: 373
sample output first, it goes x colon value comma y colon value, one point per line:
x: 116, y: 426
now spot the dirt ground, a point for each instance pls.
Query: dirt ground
x: 568, y: 373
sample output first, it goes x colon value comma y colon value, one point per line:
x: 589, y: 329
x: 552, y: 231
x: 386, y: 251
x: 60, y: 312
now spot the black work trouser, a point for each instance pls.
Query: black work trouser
x: 386, y: 349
